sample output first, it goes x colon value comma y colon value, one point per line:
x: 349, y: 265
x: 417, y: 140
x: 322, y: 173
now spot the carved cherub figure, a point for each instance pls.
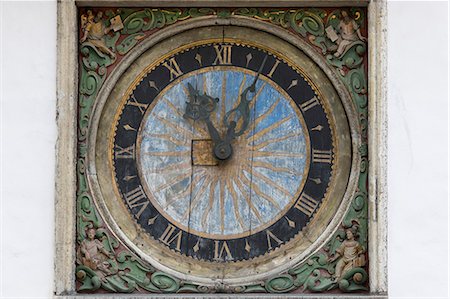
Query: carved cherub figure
x: 348, y: 32
x: 92, y: 253
x: 350, y: 255
x: 94, y: 31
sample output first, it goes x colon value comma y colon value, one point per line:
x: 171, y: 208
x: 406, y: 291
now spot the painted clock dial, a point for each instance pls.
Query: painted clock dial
x: 166, y: 160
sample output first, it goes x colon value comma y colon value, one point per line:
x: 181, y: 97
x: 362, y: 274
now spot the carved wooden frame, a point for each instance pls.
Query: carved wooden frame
x: 67, y: 94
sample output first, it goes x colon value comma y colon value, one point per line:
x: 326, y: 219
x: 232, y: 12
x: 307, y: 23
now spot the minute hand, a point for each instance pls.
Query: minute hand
x: 243, y: 107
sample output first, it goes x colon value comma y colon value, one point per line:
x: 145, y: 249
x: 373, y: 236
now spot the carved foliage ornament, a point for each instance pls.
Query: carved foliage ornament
x: 105, y: 264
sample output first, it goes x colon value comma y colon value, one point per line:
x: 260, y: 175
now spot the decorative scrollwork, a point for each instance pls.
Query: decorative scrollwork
x: 165, y: 282
x: 316, y: 282
x: 353, y: 280
x: 280, y: 284
x: 129, y: 42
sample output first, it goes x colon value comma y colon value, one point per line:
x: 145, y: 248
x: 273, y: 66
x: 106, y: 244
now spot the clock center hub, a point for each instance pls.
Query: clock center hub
x: 223, y: 151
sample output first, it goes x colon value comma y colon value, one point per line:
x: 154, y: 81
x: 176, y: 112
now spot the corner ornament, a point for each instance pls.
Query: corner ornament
x: 349, y: 34
x: 349, y: 46
x: 350, y: 255
x: 322, y: 273
x: 93, y: 33
x: 101, y: 263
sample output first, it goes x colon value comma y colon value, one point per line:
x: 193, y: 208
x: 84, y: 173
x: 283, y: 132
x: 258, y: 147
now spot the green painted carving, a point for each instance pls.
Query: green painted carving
x: 111, y: 40
x: 129, y: 42
x: 126, y: 275
x: 148, y: 19
x: 280, y: 284
x: 102, y: 263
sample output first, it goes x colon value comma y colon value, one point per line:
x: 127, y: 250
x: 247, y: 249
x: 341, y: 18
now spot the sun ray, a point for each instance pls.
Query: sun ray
x: 177, y: 196
x: 274, y: 168
x: 266, y: 113
x: 212, y: 188
x: 241, y: 88
x: 277, y: 154
x: 236, y: 104
x: 168, y: 169
x: 172, y: 181
x: 168, y: 137
x: 195, y: 124
x: 186, y: 91
x: 273, y: 140
x: 268, y: 181
x: 185, y: 191
x: 205, y: 85
x: 176, y: 127
x: 217, y: 117
x: 247, y: 199
x: 273, y: 126
x: 258, y: 192
x: 258, y: 93
x: 168, y: 154
x: 235, y: 202
x: 172, y: 106
x: 222, y: 205
x: 196, y: 200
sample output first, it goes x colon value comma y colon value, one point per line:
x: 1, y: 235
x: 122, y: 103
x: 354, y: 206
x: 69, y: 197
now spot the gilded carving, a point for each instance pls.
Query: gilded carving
x: 349, y: 255
x: 93, y: 254
x: 94, y: 31
x: 348, y: 33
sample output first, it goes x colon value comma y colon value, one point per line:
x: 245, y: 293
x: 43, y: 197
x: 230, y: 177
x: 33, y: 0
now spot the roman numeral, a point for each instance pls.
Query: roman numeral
x: 124, y: 153
x: 136, y: 198
x: 277, y: 62
x: 271, y: 236
x: 309, y: 104
x: 218, y: 251
x: 168, y: 236
x: 321, y: 156
x: 173, y: 68
x: 223, y: 53
x: 133, y: 102
x: 306, y: 204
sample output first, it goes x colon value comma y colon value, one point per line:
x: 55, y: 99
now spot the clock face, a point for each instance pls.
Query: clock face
x: 191, y: 199
x: 220, y: 153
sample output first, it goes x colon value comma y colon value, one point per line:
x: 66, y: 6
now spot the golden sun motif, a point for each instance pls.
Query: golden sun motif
x: 243, y: 194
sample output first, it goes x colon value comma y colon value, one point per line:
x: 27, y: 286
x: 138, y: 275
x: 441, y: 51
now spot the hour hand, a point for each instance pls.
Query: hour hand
x: 193, y: 93
x: 200, y: 107
x: 193, y: 108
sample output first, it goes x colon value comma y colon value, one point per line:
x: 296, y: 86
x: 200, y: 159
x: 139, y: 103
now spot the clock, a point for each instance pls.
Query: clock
x: 221, y: 152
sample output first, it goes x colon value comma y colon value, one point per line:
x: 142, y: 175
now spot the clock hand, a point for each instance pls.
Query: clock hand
x: 215, y: 136
x: 200, y: 107
x: 243, y: 107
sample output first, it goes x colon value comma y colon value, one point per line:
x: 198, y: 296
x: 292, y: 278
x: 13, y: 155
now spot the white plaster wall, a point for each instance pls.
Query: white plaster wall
x: 28, y: 136
x: 418, y: 149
